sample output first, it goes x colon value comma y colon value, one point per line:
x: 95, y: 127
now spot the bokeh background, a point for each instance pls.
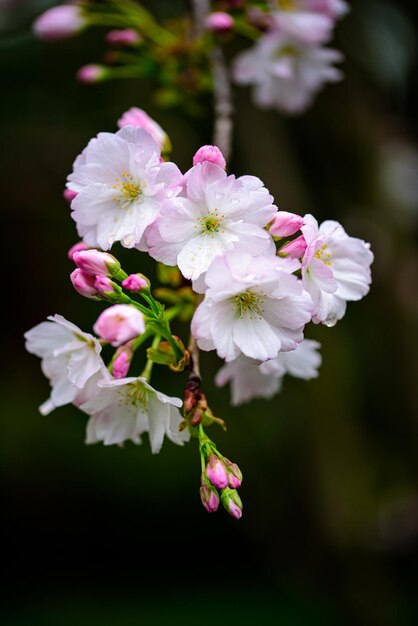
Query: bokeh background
x: 110, y: 536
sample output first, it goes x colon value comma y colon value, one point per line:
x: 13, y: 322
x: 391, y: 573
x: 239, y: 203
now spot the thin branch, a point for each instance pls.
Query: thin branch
x: 222, y: 134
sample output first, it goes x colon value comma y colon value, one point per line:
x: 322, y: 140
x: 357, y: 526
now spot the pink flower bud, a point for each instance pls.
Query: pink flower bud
x: 211, y: 154
x: 124, y: 37
x: 92, y: 73
x: 119, y: 323
x: 294, y: 249
x: 219, y: 22
x: 95, y: 262
x: 77, y: 247
x: 234, y: 474
x: 138, y: 117
x: 122, y: 362
x: 69, y: 195
x: 209, y: 497
x: 59, y: 22
x: 285, y: 224
x: 232, y: 502
x: 216, y: 472
x: 84, y: 284
x: 136, y: 282
x: 104, y: 286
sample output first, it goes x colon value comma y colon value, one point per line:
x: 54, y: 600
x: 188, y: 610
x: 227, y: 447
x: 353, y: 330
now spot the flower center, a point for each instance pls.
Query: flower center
x: 249, y: 302
x: 322, y: 255
x: 138, y: 395
x: 210, y: 223
x: 128, y: 189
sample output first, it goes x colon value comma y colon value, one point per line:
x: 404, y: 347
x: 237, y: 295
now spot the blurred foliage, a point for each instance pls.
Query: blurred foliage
x: 117, y: 536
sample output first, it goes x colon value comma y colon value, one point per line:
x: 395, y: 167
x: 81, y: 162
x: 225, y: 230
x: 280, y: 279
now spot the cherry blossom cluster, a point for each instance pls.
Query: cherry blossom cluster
x: 287, y: 63
x: 247, y: 276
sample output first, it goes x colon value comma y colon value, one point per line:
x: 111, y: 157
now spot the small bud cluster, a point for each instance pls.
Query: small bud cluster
x: 219, y: 474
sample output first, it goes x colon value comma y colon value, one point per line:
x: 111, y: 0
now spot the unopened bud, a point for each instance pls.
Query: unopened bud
x: 119, y: 323
x: 122, y: 361
x: 209, y: 496
x: 136, y: 282
x: 69, y: 195
x: 216, y: 472
x: 211, y: 154
x: 123, y: 37
x: 232, y: 502
x: 138, y: 117
x: 285, y: 224
x: 90, y: 74
x: 294, y: 249
x: 107, y: 288
x: 77, y: 247
x: 59, y: 22
x: 96, y: 262
x: 234, y: 474
x: 219, y: 22
x: 84, y: 284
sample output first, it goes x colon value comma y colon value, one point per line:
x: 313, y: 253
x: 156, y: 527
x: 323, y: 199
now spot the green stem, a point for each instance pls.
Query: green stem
x: 147, y: 371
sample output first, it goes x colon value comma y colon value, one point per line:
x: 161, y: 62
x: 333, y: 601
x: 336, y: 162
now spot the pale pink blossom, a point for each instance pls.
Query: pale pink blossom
x: 219, y: 213
x: 92, y: 73
x: 96, y: 262
x: 60, y: 22
x: 250, y: 380
x: 123, y: 37
x: 294, y: 249
x: 119, y: 323
x: 70, y: 359
x: 84, y: 284
x: 137, y: 117
x: 128, y: 407
x: 285, y: 224
x: 252, y: 306
x: 135, y: 282
x: 122, y: 185
x: 285, y: 73
x: 211, y: 154
x: 77, y: 247
x: 335, y: 269
x: 219, y: 22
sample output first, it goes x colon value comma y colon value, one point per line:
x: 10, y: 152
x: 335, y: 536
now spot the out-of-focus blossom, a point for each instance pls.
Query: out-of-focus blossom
x: 123, y: 37
x: 60, y: 22
x: 249, y: 380
x: 219, y: 22
x: 285, y: 73
x: 92, y: 73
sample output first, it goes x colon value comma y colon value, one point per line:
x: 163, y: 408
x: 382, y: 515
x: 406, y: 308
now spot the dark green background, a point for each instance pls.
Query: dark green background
x: 96, y: 535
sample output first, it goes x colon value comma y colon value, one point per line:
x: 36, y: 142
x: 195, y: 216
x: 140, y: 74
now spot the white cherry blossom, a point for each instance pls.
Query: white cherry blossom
x: 218, y: 213
x: 253, y: 306
x: 70, y: 359
x: 121, y: 184
x: 249, y: 380
x: 126, y: 408
x: 286, y: 73
x: 335, y: 269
